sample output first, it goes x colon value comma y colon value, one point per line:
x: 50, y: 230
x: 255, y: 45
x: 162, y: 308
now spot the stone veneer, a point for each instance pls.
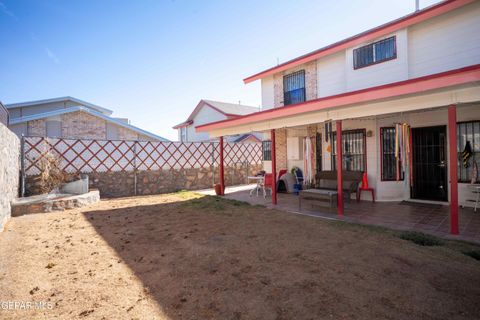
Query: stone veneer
x: 281, y: 148
x: 9, y: 172
x: 82, y: 125
x: 121, y: 184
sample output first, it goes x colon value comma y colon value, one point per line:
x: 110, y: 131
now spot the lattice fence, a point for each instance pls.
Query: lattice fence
x: 91, y: 156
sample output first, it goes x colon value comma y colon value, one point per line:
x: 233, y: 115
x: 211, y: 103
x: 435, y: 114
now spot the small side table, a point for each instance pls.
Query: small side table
x: 365, y: 189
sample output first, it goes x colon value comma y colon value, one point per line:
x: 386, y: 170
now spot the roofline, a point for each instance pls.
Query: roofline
x: 88, y: 110
x: 66, y: 98
x: 384, y: 29
x: 183, y: 124
x: 246, y: 136
x: 417, y: 85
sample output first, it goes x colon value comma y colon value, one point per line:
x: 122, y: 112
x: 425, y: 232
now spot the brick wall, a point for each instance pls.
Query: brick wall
x: 281, y: 148
x: 310, y: 82
x: 81, y: 125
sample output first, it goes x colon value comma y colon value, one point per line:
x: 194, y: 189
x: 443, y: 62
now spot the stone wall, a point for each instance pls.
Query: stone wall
x: 9, y: 171
x: 121, y: 184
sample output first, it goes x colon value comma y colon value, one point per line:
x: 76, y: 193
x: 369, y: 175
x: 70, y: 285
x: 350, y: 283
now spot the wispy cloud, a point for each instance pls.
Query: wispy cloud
x: 52, y: 55
x: 6, y: 11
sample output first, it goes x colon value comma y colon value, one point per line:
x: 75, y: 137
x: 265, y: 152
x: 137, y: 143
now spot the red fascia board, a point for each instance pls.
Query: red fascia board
x: 435, y: 81
x: 366, y: 36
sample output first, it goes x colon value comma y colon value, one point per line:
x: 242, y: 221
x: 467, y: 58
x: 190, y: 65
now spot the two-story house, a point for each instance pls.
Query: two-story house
x: 72, y: 118
x: 208, y: 111
x: 401, y: 101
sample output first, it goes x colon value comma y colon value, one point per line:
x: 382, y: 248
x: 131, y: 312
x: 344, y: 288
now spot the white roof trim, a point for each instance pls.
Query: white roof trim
x: 88, y: 110
x: 67, y: 98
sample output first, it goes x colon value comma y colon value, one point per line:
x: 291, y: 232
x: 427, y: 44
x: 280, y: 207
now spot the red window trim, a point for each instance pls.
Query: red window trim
x: 376, y: 62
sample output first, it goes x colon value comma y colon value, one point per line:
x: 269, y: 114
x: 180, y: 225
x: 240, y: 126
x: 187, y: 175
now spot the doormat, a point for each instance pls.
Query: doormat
x: 421, y: 204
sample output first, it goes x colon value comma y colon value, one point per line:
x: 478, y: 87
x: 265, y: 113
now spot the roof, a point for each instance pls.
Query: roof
x: 225, y: 108
x: 462, y: 76
x: 60, y: 99
x: 87, y: 110
x: 243, y: 137
x: 392, y: 26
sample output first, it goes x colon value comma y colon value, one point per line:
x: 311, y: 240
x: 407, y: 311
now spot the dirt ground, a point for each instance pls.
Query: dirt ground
x: 183, y: 256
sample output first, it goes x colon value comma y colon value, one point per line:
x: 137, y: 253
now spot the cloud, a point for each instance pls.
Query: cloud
x: 52, y: 55
x: 5, y: 10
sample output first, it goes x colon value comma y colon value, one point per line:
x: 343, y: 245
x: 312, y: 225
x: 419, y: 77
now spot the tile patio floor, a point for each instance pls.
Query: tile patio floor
x: 425, y: 218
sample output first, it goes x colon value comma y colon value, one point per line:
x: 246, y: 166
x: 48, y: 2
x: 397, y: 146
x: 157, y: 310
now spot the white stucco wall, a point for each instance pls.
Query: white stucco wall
x: 447, y: 42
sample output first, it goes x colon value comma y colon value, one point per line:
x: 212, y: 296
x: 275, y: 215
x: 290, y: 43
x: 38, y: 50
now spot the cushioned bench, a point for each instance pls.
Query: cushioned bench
x: 327, y: 180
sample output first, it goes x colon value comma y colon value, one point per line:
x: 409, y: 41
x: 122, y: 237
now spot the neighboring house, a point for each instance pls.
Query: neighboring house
x: 208, y: 111
x: 72, y: 118
x: 422, y: 70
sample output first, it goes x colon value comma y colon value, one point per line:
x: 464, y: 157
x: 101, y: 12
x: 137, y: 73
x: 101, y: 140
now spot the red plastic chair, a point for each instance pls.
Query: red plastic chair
x: 267, y: 183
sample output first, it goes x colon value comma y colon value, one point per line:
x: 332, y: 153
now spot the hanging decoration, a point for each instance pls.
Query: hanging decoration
x: 467, y: 154
x: 474, y: 173
x: 308, y: 163
x: 402, y: 149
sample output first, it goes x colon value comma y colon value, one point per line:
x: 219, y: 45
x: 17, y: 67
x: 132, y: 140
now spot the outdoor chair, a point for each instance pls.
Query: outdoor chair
x: 327, y: 180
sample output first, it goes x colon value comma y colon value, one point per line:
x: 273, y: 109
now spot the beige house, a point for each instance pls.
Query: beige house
x: 72, y: 118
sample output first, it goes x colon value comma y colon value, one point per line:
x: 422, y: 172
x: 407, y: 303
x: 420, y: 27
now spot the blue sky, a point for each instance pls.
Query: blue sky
x: 152, y: 61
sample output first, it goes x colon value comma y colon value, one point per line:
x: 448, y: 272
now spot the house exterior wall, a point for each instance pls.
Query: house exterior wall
x: 205, y: 115
x: 80, y: 125
x: 449, y: 41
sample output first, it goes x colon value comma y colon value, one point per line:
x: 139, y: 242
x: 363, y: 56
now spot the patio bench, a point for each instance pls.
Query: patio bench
x: 318, y: 196
x: 327, y: 180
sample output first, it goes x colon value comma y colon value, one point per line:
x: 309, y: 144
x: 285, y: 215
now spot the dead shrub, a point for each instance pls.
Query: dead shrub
x: 51, y: 174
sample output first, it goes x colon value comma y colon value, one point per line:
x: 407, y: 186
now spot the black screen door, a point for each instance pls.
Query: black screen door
x: 429, y: 163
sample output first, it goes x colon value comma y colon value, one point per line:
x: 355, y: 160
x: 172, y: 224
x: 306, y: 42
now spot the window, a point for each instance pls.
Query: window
x: 354, y: 150
x: 54, y: 128
x: 389, y: 162
x: 468, y: 131
x: 294, y: 88
x: 266, y: 150
x: 376, y: 52
x: 183, y: 134
x: 318, y: 151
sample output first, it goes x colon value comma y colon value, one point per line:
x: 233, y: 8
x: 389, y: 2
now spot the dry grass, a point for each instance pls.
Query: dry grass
x: 181, y: 256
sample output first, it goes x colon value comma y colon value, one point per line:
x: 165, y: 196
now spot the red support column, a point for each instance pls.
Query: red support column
x: 452, y: 137
x: 339, y: 166
x: 222, y: 173
x: 274, y: 168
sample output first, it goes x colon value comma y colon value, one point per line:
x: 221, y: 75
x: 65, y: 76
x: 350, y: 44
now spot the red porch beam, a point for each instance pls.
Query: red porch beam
x: 338, y: 126
x: 453, y: 163
x: 222, y: 173
x: 274, y: 168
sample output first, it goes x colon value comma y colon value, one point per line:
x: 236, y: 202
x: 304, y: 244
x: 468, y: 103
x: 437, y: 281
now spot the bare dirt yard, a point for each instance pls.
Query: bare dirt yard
x: 183, y: 256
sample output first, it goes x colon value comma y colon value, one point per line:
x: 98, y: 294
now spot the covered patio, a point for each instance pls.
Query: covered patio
x: 430, y: 109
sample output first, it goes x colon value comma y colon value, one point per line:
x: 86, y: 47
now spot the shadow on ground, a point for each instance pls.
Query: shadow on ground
x: 210, y: 258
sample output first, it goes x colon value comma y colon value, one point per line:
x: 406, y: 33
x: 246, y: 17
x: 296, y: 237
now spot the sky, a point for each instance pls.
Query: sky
x: 152, y: 61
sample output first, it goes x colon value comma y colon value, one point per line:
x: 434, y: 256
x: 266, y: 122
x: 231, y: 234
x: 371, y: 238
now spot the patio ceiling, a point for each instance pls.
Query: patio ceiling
x: 453, y: 87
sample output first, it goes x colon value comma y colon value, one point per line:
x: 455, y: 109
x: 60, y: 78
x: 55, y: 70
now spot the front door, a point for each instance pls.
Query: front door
x: 429, y: 166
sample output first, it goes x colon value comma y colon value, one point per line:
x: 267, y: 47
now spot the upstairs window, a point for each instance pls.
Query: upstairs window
x: 183, y: 134
x: 266, y: 150
x: 373, y: 53
x: 294, y: 88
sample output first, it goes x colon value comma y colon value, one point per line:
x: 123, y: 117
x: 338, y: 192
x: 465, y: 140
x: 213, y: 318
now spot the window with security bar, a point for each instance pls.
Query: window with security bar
x: 266, y: 150
x: 468, y: 148
x: 294, y: 88
x: 354, y: 150
x: 389, y: 161
x: 373, y: 53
